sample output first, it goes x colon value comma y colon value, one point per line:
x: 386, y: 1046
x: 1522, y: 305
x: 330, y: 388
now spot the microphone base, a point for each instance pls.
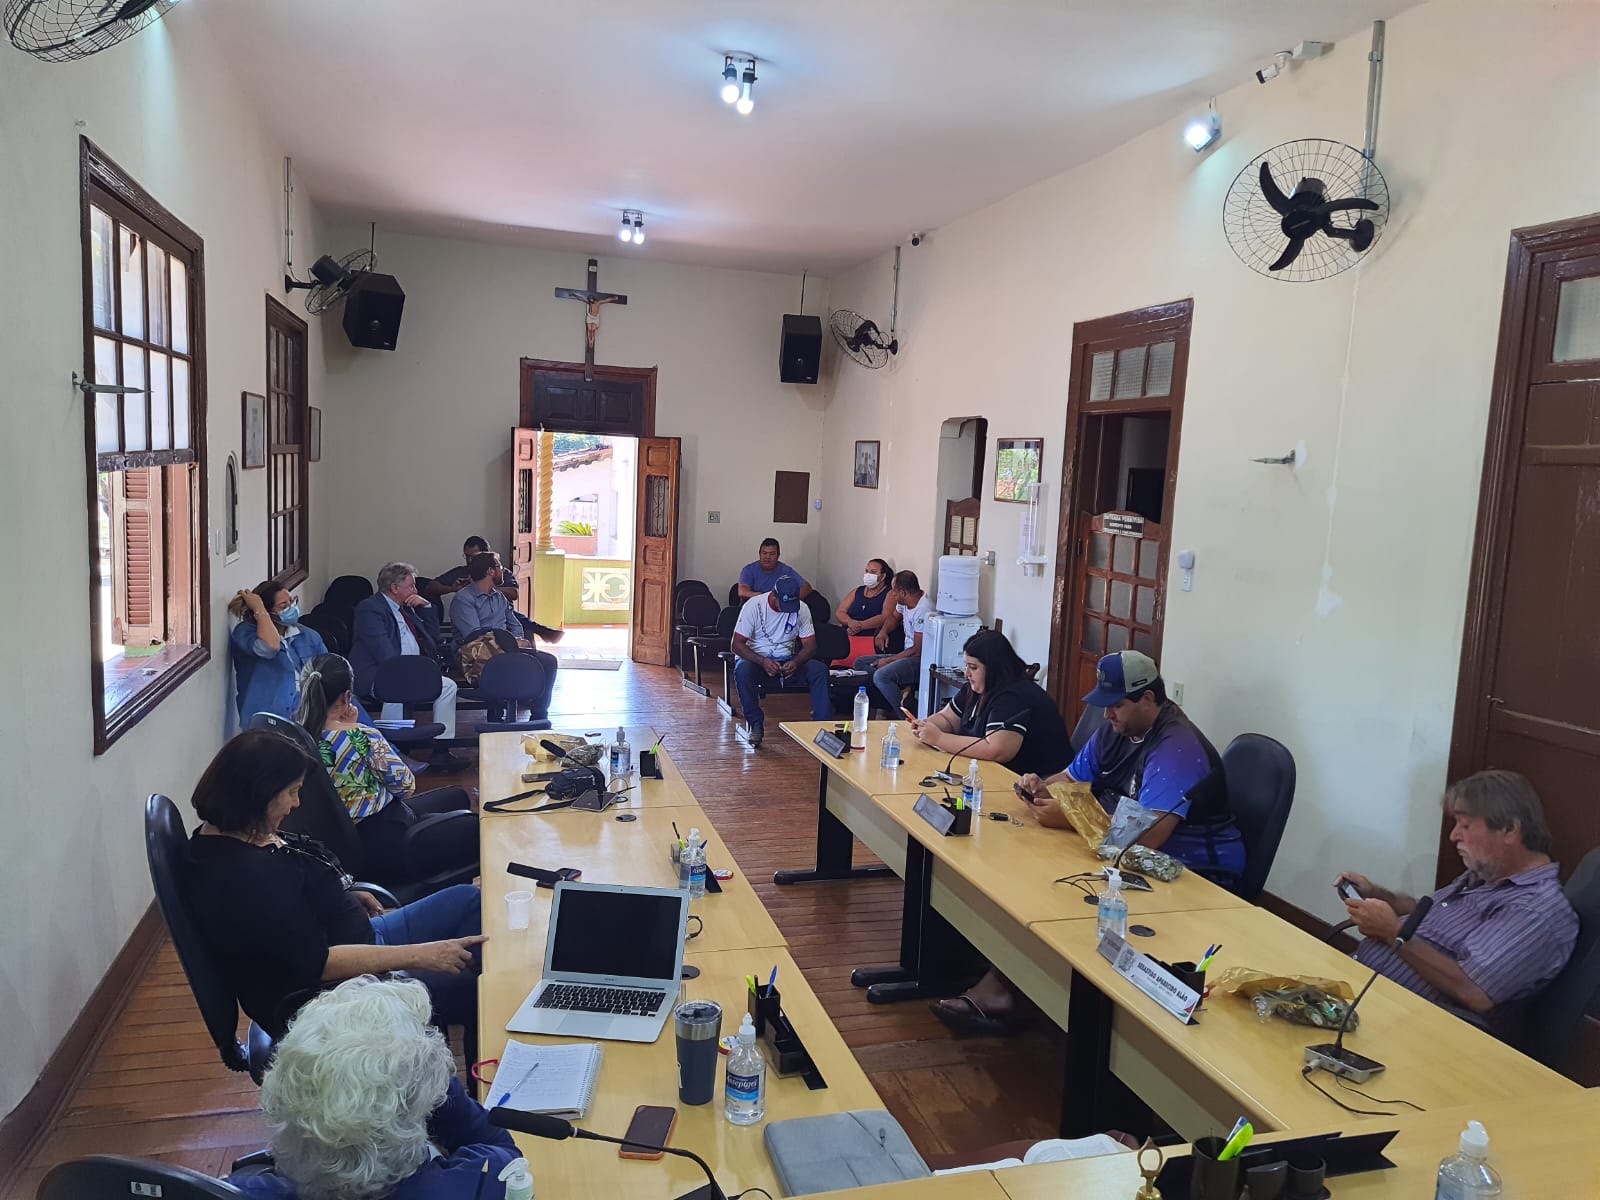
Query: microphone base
x: 704, y: 1192
x: 1337, y: 1061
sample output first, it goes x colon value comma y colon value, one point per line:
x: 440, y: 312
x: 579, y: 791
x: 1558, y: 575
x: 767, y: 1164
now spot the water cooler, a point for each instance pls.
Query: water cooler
x: 954, y: 621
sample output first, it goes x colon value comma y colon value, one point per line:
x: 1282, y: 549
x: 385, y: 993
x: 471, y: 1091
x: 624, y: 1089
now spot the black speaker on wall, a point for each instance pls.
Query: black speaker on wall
x: 800, y: 354
x: 372, y: 312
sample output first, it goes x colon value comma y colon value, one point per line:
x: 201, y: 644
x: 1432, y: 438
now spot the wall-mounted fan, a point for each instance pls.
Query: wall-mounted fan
x: 64, y: 30
x: 861, y: 338
x: 331, y: 279
x: 1305, y: 210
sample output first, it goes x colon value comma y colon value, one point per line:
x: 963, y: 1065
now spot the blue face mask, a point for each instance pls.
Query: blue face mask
x: 290, y: 615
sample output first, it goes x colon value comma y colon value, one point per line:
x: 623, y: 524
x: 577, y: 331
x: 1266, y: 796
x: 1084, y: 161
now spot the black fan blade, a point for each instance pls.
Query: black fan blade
x: 1348, y: 205
x: 1272, y: 192
x: 1290, y: 253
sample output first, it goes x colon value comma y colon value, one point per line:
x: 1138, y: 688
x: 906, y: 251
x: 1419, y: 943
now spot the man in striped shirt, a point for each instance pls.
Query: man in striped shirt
x: 1499, y: 932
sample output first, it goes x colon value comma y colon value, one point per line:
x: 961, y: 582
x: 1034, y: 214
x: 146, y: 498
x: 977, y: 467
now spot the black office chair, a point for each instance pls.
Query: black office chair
x: 832, y: 642
x: 508, y: 679
x: 1553, y: 1018
x: 733, y: 595
x: 698, y: 619
x: 682, y: 590
x: 330, y: 627
x: 703, y: 646
x: 1088, y: 725
x: 821, y: 609
x: 166, y: 846
x: 1260, y: 775
x: 409, y: 680
x: 112, y: 1177
x: 346, y: 592
x: 321, y: 814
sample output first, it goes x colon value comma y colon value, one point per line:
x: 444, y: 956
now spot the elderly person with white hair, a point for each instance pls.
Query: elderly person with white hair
x: 364, y: 1103
x: 395, y: 620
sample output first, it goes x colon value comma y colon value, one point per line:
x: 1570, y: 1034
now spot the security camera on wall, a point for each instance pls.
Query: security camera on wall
x: 1281, y: 60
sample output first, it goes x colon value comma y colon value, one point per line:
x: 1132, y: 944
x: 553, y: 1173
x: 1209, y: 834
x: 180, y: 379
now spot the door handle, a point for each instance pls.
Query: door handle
x: 1495, y: 701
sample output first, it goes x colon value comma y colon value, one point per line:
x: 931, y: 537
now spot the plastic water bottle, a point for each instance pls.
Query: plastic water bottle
x: 621, y: 756
x: 745, y: 1102
x: 858, y: 720
x: 519, y: 1183
x: 972, y: 788
x: 1113, y: 908
x: 889, y: 757
x: 1468, y: 1175
x: 692, y: 866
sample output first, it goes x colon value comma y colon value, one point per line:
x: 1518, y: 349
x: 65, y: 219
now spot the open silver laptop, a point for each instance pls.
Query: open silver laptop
x: 611, y: 963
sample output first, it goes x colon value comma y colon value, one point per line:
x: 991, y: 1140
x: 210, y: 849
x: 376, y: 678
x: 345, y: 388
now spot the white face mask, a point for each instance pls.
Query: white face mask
x: 870, y: 580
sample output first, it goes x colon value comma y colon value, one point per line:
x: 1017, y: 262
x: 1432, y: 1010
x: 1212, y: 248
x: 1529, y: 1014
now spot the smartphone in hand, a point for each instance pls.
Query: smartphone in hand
x: 1348, y: 890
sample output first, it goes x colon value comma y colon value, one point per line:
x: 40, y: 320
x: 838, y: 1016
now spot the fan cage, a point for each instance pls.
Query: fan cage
x: 324, y: 296
x: 65, y: 30
x: 844, y: 323
x: 1254, y: 229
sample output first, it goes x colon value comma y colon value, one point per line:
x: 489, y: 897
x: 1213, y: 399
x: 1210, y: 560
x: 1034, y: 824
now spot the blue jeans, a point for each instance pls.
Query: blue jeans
x: 892, y: 677
x: 451, y: 912
x: 751, y: 680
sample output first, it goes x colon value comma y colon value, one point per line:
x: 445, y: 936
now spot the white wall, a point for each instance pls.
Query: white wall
x: 73, y: 879
x: 422, y: 437
x: 1327, y: 607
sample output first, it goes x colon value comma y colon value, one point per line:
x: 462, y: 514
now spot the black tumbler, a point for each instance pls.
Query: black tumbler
x: 1208, y: 1178
x: 698, y: 1025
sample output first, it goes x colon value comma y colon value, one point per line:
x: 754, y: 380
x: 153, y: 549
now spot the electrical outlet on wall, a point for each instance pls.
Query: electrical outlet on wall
x: 713, y: 517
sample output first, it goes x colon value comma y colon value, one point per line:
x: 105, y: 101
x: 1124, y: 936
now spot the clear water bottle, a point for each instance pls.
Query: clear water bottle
x: 858, y: 720
x: 692, y: 866
x: 745, y: 1102
x: 621, y: 757
x: 1113, y: 908
x: 889, y: 756
x: 1468, y: 1175
x: 972, y: 788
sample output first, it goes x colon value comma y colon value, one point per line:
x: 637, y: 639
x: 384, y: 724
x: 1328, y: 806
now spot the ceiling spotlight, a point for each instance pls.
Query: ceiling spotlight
x: 638, y: 230
x: 1202, y: 131
x: 625, y: 234
x: 730, y: 80
x: 746, y: 101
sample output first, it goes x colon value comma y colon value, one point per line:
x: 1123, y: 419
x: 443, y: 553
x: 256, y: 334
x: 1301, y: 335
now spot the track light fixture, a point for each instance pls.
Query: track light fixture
x: 738, y: 77
x: 1202, y: 131
x: 746, y: 102
x: 632, y: 227
x: 730, y: 80
x: 625, y: 234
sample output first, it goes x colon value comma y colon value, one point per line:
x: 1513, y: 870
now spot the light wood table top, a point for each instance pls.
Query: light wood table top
x: 635, y: 1074
x: 502, y: 763
x: 966, y: 1185
x: 1433, y: 1058
x: 860, y: 768
x: 1114, y: 1176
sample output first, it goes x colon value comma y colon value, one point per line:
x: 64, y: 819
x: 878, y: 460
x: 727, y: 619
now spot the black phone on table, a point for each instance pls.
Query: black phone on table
x: 543, y: 878
x: 652, y: 1125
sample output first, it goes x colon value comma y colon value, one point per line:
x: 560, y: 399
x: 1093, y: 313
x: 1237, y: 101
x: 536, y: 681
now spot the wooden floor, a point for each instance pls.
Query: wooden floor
x: 155, y: 1087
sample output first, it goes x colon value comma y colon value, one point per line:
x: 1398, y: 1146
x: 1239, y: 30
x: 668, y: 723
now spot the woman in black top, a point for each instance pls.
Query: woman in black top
x: 861, y: 612
x: 279, y: 912
x: 1000, y: 715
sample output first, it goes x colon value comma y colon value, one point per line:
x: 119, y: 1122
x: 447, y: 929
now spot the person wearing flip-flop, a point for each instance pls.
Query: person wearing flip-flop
x: 1148, y: 751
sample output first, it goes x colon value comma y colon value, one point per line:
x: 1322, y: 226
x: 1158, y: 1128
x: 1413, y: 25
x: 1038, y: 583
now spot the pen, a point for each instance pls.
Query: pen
x: 657, y: 746
x: 705, y: 843
x: 500, y: 1103
x: 1212, y: 953
x: 1237, y: 1140
x: 773, y: 979
x: 676, y: 834
x: 483, y: 1177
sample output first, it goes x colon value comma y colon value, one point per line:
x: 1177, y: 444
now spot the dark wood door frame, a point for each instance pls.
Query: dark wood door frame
x: 530, y: 366
x: 1522, y: 347
x: 1122, y: 330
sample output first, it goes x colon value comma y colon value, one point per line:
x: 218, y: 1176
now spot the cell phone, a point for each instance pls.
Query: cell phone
x: 910, y: 716
x: 1348, y: 890
x: 652, y: 1125
x: 543, y: 878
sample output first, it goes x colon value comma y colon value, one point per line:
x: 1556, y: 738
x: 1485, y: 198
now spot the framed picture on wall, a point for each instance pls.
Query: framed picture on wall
x: 1016, y: 465
x: 314, y: 436
x: 866, y: 473
x: 255, y: 430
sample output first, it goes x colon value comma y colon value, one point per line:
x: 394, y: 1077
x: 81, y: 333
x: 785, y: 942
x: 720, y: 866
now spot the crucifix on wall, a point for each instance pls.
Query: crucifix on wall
x: 593, y: 298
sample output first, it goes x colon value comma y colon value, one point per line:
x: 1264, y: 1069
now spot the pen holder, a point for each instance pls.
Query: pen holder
x: 1210, y: 1179
x: 789, y: 1055
x: 764, y: 1003
x: 648, y: 768
x: 1188, y: 974
x: 963, y: 825
x: 672, y: 852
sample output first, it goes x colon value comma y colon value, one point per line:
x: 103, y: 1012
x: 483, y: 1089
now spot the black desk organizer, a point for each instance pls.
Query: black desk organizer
x: 1342, y: 1155
x: 789, y: 1056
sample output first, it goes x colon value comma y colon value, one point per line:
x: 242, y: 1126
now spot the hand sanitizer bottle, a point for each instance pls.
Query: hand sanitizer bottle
x: 621, y: 757
x: 972, y: 788
x: 889, y: 758
x: 519, y: 1183
x: 1468, y: 1175
x: 1113, y: 909
x: 745, y: 1102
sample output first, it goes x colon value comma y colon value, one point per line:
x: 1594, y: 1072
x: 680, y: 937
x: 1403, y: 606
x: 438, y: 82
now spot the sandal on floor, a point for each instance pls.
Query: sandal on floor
x: 974, y: 1020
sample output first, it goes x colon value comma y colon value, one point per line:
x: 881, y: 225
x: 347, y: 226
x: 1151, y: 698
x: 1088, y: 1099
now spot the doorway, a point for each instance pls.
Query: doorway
x: 592, y: 515
x: 958, y: 487
x: 1118, y: 478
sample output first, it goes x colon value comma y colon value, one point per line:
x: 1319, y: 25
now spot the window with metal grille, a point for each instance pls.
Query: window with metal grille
x: 287, y: 509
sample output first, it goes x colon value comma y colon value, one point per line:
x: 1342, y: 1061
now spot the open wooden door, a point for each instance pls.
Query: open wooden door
x: 655, y: 555
x: 524, y: 500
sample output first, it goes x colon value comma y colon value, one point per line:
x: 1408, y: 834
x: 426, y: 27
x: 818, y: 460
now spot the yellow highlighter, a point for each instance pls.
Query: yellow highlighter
x: 1237, y: 1140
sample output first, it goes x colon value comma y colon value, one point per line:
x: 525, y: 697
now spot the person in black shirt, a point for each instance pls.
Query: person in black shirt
x: 280, y: 914
x: 1000, y: 715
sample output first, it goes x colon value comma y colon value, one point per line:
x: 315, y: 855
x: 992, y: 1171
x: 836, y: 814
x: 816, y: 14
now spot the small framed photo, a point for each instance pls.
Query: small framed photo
x: 1016, y: 465
x: 314, y: 435
x: 866, y: 473
x: 255, y: 430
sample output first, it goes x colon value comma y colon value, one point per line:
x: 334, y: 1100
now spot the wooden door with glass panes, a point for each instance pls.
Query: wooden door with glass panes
x: 524, y: 498
x: 655, y: 554
x: 1118, y: 590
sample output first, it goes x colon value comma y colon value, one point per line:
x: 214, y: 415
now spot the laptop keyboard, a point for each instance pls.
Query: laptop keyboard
x: 579, y: 997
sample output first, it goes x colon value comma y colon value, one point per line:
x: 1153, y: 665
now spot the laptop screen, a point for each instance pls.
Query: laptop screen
x: 616, y: 933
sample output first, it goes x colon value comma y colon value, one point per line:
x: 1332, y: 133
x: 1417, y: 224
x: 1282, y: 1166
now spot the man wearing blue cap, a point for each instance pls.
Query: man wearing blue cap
x: 775, y: 641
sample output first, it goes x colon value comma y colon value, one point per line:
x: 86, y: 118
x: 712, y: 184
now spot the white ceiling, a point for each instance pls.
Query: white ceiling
x: 527, y: 120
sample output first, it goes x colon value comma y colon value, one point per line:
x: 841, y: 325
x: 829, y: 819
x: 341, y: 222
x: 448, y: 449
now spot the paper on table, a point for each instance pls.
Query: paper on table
x: 563, y: 1085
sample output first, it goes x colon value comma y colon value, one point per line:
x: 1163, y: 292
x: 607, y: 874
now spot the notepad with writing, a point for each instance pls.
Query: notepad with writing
x: 559, y: 1080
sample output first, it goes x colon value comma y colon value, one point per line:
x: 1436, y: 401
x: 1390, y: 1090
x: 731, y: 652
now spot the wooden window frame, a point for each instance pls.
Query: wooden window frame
x: 293, y: 573
x: 104, y: 184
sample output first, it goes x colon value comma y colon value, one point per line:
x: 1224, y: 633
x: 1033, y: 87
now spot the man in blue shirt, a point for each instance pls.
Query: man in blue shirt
x: 481, y: 606
x: 761, y: 576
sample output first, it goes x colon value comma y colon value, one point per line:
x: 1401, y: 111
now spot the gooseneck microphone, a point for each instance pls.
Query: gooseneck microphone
x: 557, y: 1129
x: 1333, y: 1057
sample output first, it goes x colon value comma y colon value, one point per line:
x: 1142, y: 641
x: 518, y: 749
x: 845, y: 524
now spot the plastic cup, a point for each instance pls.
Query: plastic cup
x: 518, y: 907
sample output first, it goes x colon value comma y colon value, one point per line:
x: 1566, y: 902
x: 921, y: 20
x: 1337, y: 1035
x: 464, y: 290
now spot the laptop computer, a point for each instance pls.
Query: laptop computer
x: 611, y: 963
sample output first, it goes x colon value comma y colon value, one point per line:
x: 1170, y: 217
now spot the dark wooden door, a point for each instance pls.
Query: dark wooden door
x: 1118, y: 592
x: 1530, y: 692
x: 618, y: 400
x: 524, y: 513
x: 655, y: 555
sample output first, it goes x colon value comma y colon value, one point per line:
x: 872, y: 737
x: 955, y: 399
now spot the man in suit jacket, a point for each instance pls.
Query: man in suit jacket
x: 398, y: 620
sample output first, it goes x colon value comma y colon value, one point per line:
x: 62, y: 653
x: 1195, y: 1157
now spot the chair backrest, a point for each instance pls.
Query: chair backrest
x: 166, y: 846
x: 733, y: 595
x: 1088, y: 724
x: 821, y: 609
x: 347, y: 591
x: 726, y: 620
x: 516, y: 676
x: 701, y: 611
x: 330, y: 626
x: 683, y: 590
x: 1260, y: 775
x: 321, y: 813
x: 112, y: 1177
x: 408, y: 679
x: 833, y: 642
x: 1555, y: 1016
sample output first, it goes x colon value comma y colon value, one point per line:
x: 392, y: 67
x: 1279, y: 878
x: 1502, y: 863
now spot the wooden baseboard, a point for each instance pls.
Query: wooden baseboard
x: 1301, y: 919
x: 37, y: 1112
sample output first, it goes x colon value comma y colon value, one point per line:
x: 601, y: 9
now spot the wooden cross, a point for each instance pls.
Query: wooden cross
x: 594, y: 299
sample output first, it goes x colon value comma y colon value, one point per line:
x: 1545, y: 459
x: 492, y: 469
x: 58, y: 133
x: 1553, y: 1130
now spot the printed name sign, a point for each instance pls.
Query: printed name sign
x: 1142, y: 971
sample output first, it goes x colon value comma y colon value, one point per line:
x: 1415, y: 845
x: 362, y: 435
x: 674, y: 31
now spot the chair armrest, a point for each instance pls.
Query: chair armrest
x: 256, y: 1160
x: 384, y: 896
x: 1338, y: 929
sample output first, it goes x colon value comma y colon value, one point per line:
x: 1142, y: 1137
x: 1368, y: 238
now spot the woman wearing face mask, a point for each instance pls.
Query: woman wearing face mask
x: 861, y: 612
x: 270, y: 647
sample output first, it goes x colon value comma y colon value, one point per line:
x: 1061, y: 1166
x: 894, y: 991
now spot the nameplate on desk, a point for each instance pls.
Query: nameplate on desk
x: 934, y: 813
x: 831, y: 742
x: 1143, y: 972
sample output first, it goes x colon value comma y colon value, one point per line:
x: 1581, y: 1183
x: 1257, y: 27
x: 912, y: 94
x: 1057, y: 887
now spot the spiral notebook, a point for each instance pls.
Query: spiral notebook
x: 558, y: 1080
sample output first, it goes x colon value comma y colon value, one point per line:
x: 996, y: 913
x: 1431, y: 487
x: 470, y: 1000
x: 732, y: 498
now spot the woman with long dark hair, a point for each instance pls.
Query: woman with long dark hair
x: 377, y: 787
x: 1000, y: 715
x: 270, y: 648
x: 861, y: 611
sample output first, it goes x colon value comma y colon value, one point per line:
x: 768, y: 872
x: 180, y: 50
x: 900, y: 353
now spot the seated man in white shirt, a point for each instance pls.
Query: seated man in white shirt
x: 775, y: 642
x: 893, y: 673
